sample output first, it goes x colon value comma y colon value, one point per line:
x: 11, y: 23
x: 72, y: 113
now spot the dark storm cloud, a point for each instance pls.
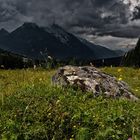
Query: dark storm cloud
x: 136, y: 13
x: 99, y: 14
x: 127, y: 31
x: 80, y: 12
x: 6, y: 11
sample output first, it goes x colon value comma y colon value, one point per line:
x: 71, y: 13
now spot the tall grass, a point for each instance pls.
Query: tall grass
x: 32, y: 108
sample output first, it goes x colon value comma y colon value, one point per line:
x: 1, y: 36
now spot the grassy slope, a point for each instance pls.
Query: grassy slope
x: 31, y: 108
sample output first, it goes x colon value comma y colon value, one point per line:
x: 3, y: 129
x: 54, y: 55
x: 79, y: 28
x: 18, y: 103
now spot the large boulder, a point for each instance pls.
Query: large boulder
x: 91, y: 79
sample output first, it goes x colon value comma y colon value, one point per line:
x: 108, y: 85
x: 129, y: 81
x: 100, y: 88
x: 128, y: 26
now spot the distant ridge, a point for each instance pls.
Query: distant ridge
x: 32, y: 41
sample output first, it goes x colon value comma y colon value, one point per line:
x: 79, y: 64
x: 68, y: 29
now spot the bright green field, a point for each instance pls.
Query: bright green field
x: 31, y: 108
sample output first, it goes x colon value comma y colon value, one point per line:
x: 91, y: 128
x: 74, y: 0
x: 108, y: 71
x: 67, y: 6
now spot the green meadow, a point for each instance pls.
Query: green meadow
x: 32, y: 108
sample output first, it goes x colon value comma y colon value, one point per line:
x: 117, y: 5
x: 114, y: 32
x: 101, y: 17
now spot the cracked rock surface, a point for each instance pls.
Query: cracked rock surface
x: 91, y: 79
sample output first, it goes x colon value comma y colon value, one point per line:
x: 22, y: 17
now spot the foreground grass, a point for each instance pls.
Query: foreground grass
x: 32, y: 108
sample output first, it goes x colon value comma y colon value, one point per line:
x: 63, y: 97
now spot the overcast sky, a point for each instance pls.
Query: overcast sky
x: 113, y: 23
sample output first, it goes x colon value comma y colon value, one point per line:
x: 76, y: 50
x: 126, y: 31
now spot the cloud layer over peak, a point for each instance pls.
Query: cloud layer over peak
x: 79, y: 16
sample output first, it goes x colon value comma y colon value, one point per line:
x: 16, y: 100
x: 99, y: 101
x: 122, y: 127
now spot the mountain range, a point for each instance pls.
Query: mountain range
x: 33, y: 41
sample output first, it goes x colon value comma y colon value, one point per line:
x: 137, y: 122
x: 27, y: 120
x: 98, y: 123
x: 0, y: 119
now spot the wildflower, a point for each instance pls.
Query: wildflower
x: 113, y: 136
x: 58, y: 101
x: 2, y: 66
x: 34, y: 67
x: 130, y: 139
x: 49, y: 57
x: 119, y: 70
x: 40, y: 79
x: 136, y: 90
x: 74, y: 126
x: 120, y: 79
x: 72, y: 136
x: 49, y: 114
